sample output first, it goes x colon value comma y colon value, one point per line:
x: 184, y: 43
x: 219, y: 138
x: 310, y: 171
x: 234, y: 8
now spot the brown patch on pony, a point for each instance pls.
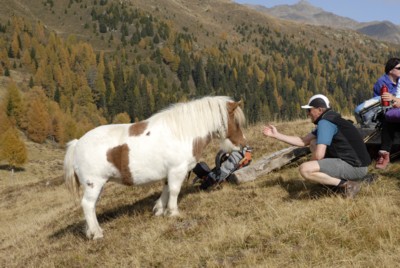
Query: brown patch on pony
x: 119, y: 157
x: 198, y: 146
x: 138, y: 128
x: 235, y: 120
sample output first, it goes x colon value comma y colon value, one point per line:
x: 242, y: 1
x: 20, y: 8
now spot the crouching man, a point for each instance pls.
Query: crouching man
x: 339, y: 155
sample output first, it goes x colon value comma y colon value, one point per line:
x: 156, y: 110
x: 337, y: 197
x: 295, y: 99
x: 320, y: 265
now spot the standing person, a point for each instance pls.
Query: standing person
x: 391, y: 79
x: 339, y: 155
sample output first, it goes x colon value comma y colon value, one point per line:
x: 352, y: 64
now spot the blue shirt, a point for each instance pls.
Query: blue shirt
x: 385, y: 80
x: 325, y: 131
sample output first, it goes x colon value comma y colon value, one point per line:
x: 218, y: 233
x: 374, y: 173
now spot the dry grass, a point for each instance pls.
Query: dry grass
x: 277, y: 220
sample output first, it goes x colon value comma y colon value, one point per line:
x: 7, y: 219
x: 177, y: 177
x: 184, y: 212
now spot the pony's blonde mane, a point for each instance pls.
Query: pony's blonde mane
x: 200, y: 117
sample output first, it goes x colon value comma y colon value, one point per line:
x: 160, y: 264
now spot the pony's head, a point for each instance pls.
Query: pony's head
x: 234, y: 137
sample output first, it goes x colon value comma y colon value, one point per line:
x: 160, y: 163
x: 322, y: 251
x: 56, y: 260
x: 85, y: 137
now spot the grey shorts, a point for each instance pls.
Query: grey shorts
x: 340, y: 169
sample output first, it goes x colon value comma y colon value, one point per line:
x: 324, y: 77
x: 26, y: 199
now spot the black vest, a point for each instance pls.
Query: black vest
x: 347, y: 143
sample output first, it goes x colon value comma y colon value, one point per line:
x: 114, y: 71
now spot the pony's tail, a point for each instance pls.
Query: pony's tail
x: 71, y: 180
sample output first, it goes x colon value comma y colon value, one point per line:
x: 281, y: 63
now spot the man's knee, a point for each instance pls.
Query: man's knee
x: 308, y: 168
x: 305, y: 170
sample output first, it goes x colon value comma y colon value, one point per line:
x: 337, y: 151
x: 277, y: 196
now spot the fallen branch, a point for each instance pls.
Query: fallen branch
x: 269, y: 163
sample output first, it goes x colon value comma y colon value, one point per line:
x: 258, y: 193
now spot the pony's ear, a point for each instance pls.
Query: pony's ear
x: 234, y: 104
x: 241, y: 103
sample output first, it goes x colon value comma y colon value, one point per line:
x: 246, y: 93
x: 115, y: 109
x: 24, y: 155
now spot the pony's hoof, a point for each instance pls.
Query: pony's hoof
x: 158, y: 211
x: 172, y: 213
x: 94, y: 234
x: 98, y: 236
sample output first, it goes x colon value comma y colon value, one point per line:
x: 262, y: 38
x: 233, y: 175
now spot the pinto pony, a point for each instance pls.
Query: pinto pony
x: 165, y: 146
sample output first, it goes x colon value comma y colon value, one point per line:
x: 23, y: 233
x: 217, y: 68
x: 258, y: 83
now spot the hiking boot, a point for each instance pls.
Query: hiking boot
x: 351, y: 188
x: 383, y: 160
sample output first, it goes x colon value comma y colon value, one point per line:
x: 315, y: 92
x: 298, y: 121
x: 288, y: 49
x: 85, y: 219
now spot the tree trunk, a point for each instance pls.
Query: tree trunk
x: 269, y: 163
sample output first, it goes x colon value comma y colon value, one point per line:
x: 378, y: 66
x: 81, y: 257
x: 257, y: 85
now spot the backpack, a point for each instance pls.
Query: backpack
x: 225, y: 165
x: 369, y: 113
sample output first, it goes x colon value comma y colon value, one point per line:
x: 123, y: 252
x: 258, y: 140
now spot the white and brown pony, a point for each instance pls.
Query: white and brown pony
x: 165, y: 146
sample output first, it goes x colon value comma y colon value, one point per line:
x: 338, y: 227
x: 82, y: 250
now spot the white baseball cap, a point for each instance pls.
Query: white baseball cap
x: 317, y: 101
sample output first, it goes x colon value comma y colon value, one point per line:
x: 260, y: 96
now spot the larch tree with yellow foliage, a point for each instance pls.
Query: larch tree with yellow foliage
x: 12, y: 148
x: 38, y: 118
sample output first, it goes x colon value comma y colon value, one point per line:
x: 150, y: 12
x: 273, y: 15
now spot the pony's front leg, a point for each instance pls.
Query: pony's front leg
x: 175, y: 180
x: 161, y: 203
x: 89, y: 200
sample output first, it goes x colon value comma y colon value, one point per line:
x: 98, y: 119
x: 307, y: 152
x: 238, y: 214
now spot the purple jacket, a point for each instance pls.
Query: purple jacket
x: 384, y: 79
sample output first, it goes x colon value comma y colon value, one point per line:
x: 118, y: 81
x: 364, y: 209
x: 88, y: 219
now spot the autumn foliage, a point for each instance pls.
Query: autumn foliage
x: 144, y: 62
x: 12, y: 148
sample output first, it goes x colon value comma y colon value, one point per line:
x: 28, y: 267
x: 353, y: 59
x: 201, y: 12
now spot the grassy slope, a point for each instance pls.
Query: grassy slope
x: 274, y: 221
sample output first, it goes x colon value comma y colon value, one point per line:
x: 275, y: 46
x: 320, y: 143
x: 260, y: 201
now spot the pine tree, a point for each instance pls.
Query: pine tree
x: 184, y: 67
x: 199, y: 79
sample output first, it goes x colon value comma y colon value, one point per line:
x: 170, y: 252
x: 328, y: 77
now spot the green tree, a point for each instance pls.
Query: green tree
x: 199, y: 79
x: 184, y: 70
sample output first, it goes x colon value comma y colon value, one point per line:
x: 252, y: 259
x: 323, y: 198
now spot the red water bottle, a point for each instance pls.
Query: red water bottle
x: 383, y: 90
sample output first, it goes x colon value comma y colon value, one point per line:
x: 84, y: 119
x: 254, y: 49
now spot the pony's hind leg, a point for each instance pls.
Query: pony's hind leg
x: 161, y: 203
x: 89, y: 200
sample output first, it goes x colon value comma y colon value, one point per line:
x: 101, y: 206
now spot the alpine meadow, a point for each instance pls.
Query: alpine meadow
x: 68, y: 66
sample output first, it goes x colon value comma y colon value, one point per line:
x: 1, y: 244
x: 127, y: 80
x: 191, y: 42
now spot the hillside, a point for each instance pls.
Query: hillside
x: 222, y: 31
x: 70, y: 65
x: 207, y: 20
x: 211, y: 22
x: 67, y: 66
x: 305, y: 12
x: 277, y: 220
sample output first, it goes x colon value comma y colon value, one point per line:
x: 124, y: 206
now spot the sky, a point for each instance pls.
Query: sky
x: 358, y: 10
